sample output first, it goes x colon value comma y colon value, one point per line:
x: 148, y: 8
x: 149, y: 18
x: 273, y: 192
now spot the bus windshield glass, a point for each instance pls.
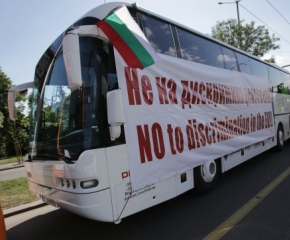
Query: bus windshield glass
x: 66, y: 123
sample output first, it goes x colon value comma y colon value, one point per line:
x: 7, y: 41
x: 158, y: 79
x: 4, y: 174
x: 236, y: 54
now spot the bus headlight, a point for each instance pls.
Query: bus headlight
x: 62, y: 182
x: 89, y: 183
x: 67, y: 183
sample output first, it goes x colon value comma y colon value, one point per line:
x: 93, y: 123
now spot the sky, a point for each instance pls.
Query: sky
x: 28, y: 27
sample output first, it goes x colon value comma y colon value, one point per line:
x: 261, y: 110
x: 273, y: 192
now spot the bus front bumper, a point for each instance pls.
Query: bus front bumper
x: 95, y: 205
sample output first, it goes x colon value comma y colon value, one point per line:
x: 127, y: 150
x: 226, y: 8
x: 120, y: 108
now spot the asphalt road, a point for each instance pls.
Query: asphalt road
x: 12, y: 173
x: 189, y: 216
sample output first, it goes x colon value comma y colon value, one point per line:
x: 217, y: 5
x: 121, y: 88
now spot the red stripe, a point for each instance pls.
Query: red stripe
x: 121, y: 46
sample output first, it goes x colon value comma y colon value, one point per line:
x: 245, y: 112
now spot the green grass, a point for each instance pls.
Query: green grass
x: 8, y: 160
x: 15, y: 192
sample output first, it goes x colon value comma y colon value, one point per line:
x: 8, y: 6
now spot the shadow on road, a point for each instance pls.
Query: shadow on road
x: 188, y: 216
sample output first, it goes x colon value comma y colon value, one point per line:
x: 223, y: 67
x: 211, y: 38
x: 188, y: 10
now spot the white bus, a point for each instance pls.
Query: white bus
x: 80, y: 152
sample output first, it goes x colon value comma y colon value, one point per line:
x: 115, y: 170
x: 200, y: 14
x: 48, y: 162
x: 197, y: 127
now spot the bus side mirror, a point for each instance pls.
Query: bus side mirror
x: 22, y: 89
x: 115, y: 109
x: 72, y: 60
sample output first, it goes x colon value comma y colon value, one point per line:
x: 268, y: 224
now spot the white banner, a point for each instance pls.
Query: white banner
x: 180, y: 114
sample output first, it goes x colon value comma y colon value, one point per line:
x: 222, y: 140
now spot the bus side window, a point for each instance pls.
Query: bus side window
x: 286, y: 83
x: 110, y: 84
x: 112, y: 74
x: 259, y: 69
x: 275, y: 80
x: 229, y: 59
x: 159, y: 34
x: 197, y: 49
x: 244, y: 63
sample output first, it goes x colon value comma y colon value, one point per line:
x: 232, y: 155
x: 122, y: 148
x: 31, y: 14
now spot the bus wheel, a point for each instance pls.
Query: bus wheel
x: 206, y: 176
x: 280, y: 138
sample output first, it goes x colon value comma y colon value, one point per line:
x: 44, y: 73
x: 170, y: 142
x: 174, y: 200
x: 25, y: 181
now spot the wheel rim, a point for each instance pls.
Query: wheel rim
x: 208, y: 171
x: 281, y: 138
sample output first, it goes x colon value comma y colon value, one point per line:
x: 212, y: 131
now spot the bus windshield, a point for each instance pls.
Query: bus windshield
x: 66, y: 123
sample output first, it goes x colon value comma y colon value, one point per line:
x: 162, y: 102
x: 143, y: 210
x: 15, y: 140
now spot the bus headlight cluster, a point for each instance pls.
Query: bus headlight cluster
x: 71, y: 184
x: 67, y: 183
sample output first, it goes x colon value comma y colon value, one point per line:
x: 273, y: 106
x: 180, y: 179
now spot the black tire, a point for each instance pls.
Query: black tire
x: 280, y: 138
x: 200, y: 185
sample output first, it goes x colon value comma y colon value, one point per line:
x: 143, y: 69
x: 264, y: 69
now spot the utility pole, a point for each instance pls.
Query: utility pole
x: 238, y: 13
x: 237, y: 3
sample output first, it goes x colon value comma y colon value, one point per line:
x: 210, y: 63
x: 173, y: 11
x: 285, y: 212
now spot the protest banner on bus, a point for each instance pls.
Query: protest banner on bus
x: 180, y: 114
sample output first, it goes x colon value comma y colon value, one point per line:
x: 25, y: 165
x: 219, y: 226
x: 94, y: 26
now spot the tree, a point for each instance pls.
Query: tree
x: 272, y: 59
x: 12, y: 130
x: 7, y: 130
x: 253, y: 40
x: 1, y: 120
x: 21, y: 125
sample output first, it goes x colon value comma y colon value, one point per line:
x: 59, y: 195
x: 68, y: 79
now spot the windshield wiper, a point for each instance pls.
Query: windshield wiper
x: 65, y: 159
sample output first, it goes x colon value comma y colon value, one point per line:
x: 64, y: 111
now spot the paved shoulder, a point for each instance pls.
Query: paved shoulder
x: 23, y: 208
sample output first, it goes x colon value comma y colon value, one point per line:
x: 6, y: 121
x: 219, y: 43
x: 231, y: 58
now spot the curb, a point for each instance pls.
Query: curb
x: 23, y: 208
x: 8, y: 168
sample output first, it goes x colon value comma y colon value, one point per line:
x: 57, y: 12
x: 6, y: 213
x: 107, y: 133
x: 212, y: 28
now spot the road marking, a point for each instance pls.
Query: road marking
x: 227, y: 225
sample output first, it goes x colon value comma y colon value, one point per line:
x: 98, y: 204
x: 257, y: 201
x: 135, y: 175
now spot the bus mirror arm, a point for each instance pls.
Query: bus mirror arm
x: 22, y: 89
x: 116, y: 116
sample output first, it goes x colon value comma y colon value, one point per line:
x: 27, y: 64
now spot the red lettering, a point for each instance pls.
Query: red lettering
x: 179, y: 140
x: 144, y: 144
x: 208, y: 137
x: 194, y: 91
x: 132, y: 86
x: 222, y: 99
x: 160, y: 82
x: 158, y: 142
x: 216, y: 93
x: 190, y: 136
x: 201, y: 90
x: 202, y: 136
x: 172, y: 93
x: 147, y: 90
x: 209, y: 92
x: 170, y: 134
x: 185, y: 97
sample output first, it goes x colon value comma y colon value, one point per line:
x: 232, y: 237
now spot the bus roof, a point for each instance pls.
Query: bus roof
x: 103, y: 10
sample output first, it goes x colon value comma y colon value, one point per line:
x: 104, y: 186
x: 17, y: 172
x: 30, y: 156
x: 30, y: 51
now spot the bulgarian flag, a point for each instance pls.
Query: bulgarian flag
x: 129, y: 40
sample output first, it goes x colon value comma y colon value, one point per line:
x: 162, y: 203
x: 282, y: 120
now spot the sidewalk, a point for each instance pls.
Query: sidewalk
x: 7, y: 166
x: 23, y: 208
